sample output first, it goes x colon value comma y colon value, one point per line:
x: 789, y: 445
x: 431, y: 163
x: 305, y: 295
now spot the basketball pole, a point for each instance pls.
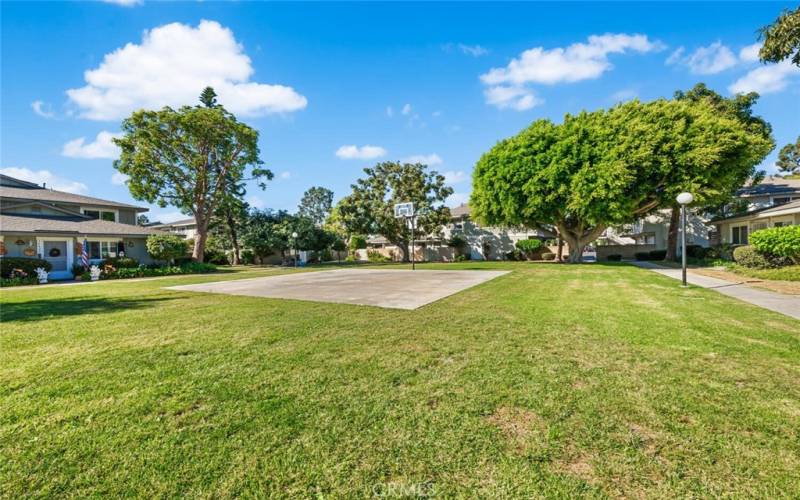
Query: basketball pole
x: 413, y: 260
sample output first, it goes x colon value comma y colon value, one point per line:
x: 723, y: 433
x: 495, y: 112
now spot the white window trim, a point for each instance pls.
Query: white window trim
x: 100, y: 209
x: 90, y: 239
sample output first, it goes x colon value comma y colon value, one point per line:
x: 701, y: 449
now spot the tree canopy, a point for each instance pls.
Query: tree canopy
x: 192, y: 158
x: 789, y: 158
x: 369, y: 209
x: 604, y: 168
x: 782, y: 38
x: 316, y: 204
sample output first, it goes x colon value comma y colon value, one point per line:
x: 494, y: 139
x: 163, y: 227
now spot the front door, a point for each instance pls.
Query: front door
x: 55, y: 252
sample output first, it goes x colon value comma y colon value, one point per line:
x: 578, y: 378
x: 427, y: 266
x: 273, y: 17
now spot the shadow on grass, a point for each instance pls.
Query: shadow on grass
x: 36, y: 310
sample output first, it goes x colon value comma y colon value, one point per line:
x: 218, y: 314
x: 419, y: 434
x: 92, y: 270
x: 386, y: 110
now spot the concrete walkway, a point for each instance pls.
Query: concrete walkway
x: 780, y: 303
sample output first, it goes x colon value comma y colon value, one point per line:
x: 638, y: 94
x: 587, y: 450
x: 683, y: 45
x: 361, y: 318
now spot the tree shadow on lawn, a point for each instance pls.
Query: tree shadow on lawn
x: 36, y: 310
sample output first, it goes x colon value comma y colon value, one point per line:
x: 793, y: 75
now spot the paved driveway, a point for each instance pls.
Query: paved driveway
x: 398, y: 289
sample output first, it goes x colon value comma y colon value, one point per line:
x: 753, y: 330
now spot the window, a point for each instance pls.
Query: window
x: 739, y: 235
x: 781, y: 201
x: 101, y: 214
x: 104, y: 249
x: 778, y: 224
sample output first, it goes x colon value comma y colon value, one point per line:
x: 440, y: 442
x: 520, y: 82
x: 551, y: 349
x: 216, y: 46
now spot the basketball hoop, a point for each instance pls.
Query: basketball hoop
x: 404, y: 210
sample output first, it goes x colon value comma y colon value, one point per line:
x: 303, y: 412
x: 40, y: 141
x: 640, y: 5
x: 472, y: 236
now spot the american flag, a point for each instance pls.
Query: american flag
x: 85, y: 254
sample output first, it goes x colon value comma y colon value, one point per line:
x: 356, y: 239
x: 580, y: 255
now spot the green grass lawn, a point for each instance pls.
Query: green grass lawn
x: 553, y: 380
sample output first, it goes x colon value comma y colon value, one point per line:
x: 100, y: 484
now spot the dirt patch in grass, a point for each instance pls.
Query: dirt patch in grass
x: 516, y: 424
x: 785, y: 287
x: 579, y: 466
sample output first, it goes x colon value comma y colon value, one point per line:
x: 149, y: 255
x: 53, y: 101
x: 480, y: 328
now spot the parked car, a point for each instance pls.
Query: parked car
x: 589, y: 254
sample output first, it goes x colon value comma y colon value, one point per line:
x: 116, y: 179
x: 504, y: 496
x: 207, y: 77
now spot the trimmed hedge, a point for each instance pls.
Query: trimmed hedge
x: 748, y: 256
x: 120, y: 262
x: 143, y: 271
x: 658, y: 254
x: 778, y: 241
x: 529, y: 246
x: 642, y: 255
x: 614, y: 257
x: 27, y: 264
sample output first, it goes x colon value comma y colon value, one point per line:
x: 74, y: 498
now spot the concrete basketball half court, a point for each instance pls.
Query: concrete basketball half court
x: 391, y: 288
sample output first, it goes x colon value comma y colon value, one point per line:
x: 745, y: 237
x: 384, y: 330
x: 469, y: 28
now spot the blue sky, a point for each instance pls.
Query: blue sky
x: 439, y: 82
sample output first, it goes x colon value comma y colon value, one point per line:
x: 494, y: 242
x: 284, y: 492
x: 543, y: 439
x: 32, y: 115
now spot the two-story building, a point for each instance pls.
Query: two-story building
x: 36, y: 221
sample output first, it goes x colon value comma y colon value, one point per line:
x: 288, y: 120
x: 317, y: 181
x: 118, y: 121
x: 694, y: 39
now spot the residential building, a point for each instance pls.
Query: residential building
x: 184, y: 227
x: 737, y: 229
x: 36, y: 221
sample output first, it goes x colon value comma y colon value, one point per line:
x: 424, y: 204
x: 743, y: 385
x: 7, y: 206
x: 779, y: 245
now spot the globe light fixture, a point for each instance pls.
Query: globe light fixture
x: 683, y: 199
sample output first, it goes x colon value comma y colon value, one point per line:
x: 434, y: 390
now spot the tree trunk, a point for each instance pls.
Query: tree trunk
x: 578, y: 239
x: 198, y: 253
x: 237, y: 256
x: 672, y: 233
x: 560, y: 249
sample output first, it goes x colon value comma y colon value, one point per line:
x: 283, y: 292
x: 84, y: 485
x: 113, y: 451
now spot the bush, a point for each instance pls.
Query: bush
x: 146, y: 271
x: 119, y: 262
x: 696, y: 251
x: 325, y: 255
x: 778, y: 241
x: 642, y: 255
x: 657, y: 254
x: 248, y: 256
x: 514, y: 255
x: 357, y: 242
x: 19, y: 281
x: 376, y: 256
x: 529, y: 248
x: 723, y: 251
x: 614, y: 257
x: 748, y: 256
x: 548, y: 256
x: 166, y: 247
x: 27, y: 264
x: 456, y: 241
x: 461, y: 258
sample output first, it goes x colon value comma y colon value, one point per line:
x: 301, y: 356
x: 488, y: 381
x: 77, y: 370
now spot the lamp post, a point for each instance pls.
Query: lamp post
x: 684, y: 199
x: 296, y: 253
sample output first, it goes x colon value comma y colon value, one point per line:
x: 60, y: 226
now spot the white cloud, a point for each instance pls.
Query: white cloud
x: 46, y: 177
x: 119, y: 179
x: 42, y: 109
x: 366, y: 152
x: 389, y: 111
x: 750, y: 52
x: 766, y: 79
x: 285, y: 175
x: 514, y: 97
x: 255, y: 202
x: 430, y: 160
x: 710, y: 60
x: 406, y: 109
x: 455, y: 176
x: 436, y: 114
x: 624, y: 95
x: 473, y: 50
x: 579, y: 61
x: 102, y: 147
x: 675, y: 57
x: 457, y: 199
x: 170, y: 67
x: 124, y: 3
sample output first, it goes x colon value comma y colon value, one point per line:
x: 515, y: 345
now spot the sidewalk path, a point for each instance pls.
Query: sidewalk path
x: 784, y: 304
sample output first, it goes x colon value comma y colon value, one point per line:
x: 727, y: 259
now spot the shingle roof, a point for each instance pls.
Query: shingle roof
x: 770, y: 186
x: 51, y: 195
x: 67, y: 224
x: 182, y: 222
x: 460, y: 211
x: 792, y: 207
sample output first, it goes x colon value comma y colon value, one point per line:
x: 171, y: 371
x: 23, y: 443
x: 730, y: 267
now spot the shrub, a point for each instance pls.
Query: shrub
x: 548, y: 256
x: 376, y: 256
x: 456, y: 241
x: 27, y: 264
x: 696, y: 251
x: 748, y: 256
x: 657, y: 254
x: 778, y: 241
x: 529, y: 247
x: 357, y: 242
x: 461, y: 258
x: 166, y: 247
x: 146, y: 271
x: 325, y: 255
x: 119, y: 262
x: 248, y: 256
x: 722, y: 251
x: 614, y: 257
x: 514, y: 255
x: 642, y: 255
x: 19, y: 281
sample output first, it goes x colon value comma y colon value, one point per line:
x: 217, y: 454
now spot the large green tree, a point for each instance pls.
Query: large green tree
x: 601, y: 168
x: 782, y: 38
x: 369, y: 209
x: 316, y: 204
x: 789, y: 158
x: 267, y: 232
x: 190, y: 158
x: 715, y: 184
